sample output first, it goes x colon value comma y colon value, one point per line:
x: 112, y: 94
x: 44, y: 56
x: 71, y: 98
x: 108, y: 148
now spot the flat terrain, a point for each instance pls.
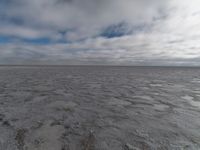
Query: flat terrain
x: 99, y: 108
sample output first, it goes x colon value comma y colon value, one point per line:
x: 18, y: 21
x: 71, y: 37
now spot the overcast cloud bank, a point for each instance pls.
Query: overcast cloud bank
x: 117, y: 32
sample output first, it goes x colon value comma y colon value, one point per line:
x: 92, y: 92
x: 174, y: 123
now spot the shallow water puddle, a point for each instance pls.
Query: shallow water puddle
x: 195, y: 103
x: 191, y: 101
x: 160, y: 107
x: 156, y: 85
x: 197, y: 91
x: 187, y: 97
x: 195, y: 80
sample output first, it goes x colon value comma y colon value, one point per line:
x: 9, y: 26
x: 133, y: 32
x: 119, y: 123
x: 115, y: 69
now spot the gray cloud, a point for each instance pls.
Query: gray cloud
x: 83, y: 17
x: 102, y: 31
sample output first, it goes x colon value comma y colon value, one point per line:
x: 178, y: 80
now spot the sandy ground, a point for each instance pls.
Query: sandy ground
x: 99, y: 108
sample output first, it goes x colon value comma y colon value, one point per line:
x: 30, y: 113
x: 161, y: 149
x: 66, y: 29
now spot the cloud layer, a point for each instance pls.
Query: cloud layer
x: 116, y: 32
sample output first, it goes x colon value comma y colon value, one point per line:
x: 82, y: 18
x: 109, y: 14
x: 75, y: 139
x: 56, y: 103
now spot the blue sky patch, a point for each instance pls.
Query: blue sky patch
x: 4, y: 39
x: 116, y: 30
x: 40, y: 41
x: 37, y: 41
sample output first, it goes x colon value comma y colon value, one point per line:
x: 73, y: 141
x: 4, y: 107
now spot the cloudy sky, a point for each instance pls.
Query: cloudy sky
x: 115, y: 32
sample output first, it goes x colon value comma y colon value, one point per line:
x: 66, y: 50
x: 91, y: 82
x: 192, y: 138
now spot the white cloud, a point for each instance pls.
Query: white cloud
x: 86, y: 17
x: 162, y: 31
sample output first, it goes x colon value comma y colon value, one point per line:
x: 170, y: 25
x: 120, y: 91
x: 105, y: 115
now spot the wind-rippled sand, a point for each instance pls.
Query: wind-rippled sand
x: 99, y: 108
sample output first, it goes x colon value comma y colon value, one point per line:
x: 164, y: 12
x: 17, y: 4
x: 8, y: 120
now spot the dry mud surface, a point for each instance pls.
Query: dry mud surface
x: 99, y: 108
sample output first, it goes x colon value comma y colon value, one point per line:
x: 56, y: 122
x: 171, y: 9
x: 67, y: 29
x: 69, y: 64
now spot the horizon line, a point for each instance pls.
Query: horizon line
x: 82, y: 65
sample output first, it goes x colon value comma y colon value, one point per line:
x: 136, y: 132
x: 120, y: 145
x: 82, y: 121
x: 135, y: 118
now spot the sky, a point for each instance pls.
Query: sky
x: 100, y: 32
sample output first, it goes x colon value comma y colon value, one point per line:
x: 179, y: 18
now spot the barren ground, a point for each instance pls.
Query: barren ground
x: 99, y: 108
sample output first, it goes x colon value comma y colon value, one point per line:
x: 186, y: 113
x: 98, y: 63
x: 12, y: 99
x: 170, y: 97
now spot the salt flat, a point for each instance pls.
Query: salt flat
x: 99, y: 108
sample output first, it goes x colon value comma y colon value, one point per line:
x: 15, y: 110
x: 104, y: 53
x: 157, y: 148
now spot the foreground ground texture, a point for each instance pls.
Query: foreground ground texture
x: 99, y: 108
